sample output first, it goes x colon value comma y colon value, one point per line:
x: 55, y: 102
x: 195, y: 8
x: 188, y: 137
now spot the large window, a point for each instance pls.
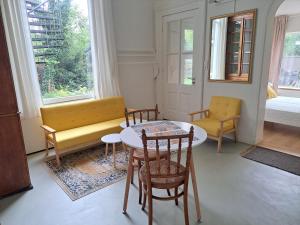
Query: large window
x: 61, y: 45
x: 290, y: 64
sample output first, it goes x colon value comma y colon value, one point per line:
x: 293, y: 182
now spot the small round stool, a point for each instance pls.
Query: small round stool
x: 111, y: 139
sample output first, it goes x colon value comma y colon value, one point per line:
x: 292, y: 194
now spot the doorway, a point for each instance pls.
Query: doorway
x: 181, y: 81
x: 282, y: 111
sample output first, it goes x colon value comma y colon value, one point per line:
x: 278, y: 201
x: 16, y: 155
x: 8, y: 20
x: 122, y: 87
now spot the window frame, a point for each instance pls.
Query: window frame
x: 282, y: 87
x: 64, y: 99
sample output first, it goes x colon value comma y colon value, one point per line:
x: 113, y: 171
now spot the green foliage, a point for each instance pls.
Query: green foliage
x: 67, y: 72
x: 292, y: 44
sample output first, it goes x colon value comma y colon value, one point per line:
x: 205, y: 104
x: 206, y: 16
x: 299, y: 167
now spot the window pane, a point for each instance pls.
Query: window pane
x: 188, y: 35
x: 290, y: 64
x: 173, y: 37
x: 187, y: 69
x: 245, y: 68
x: 61, y: 45
x: 173, y: 69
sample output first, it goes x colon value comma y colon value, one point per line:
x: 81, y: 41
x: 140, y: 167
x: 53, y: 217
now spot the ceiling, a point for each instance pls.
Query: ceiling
x: 289, y: 7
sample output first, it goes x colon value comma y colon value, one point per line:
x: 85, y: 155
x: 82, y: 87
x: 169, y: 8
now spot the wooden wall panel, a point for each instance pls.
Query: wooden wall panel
x: 9, y: 103
x: 13, y: 164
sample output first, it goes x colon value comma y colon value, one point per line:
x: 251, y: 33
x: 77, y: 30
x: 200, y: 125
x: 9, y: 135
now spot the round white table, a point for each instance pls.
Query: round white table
x: 131, y: 136
x: 111, y: 139
x: 137, y: 121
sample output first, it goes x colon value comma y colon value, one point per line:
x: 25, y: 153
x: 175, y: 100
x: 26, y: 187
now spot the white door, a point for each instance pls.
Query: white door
x: 182, y: 81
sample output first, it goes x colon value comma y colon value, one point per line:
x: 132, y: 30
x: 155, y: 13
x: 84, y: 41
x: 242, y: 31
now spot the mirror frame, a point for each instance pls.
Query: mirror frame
x: 253, y: 36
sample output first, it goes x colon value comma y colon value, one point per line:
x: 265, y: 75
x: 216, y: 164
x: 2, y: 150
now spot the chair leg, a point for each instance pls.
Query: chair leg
x: 176, y: 193
x: 168, y: 192
x: 140, y: 183
x: 132, y: 177
x: 150, y: 207
x: 235, y: 136
x: 185, y: 205
x: 220, y: 143
x: 144, y: 198
x: 47, y: 146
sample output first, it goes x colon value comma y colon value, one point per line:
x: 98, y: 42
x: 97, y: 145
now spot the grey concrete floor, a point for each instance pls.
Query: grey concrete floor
x: 233, y: 191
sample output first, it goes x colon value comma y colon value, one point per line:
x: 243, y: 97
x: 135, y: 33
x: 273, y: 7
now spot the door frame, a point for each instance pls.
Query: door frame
x: 199, y: 54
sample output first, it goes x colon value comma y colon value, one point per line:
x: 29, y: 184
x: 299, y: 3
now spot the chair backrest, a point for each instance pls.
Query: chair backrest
x: 138, y: 115
x: 221, y: 107
x: 167, y: 172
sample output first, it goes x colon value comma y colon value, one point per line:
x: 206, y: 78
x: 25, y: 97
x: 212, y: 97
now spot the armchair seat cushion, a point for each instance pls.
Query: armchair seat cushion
x: 213, y: 126
x: 85, y: 134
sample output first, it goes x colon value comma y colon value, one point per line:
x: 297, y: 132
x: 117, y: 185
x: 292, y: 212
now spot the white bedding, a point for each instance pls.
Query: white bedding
x: 284, y: 110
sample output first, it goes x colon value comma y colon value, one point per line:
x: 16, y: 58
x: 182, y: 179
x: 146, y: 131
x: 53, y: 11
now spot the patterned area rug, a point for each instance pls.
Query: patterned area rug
x: 87, y: 171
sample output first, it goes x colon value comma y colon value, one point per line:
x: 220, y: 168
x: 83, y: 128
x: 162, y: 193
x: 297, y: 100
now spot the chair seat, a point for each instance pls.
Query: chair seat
x: 213, y: 126
x: 162, y: 183
x: 139, y: 154
x: 85, y: 134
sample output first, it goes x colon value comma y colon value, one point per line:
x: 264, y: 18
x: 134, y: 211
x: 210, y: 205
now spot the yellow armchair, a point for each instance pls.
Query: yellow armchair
x: 221, y: 118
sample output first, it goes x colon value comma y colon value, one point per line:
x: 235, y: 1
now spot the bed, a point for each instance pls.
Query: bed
x: 284, y: 110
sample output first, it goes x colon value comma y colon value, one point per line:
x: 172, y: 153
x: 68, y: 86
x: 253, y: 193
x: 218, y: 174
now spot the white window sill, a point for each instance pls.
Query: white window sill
x: 49, y: 101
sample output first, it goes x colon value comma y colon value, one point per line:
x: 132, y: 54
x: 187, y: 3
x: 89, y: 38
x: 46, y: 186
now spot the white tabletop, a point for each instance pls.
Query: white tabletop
x: 137, y: 121
x: 131, y: 138
x: 111, y: 138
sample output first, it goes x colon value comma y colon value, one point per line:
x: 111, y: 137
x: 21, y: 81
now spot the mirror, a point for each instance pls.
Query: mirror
x: 231, y: 47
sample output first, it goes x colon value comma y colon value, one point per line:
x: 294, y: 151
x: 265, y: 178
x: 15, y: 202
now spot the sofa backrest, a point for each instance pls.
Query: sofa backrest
x: 71, y: 115
x: 222, y: 107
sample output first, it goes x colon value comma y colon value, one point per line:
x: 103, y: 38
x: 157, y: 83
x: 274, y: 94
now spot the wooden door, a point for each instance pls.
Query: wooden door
x: 182, y: 77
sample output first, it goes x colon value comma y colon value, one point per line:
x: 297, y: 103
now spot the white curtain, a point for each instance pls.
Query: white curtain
x: 21, y: 57
x: 218, y: 51
x: 104, y: 56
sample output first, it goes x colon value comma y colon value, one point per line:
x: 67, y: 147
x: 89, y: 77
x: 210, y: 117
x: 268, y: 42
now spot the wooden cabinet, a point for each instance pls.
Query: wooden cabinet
x: 14, y: 174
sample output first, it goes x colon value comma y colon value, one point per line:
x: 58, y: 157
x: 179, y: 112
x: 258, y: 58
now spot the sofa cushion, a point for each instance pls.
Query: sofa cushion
x: 213, y: 126
x: 85, y: 134
x: 72, y: 115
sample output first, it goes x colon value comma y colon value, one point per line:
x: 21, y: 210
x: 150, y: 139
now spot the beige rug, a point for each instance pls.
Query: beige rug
x: 87, y: 171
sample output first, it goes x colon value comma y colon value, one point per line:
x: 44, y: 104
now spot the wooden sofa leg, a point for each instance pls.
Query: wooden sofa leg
x: 57, y: 159
x: 220, y: 143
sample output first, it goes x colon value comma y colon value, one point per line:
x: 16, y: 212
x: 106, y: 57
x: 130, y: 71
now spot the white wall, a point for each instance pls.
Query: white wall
x: 249, y: 93
x: 134, y: 29
x: 293, y: 23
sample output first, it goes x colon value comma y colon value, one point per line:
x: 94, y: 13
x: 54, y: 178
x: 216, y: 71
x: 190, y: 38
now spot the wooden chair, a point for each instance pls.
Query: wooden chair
x: 137, y: 115
x: 221, y: 118
x: 164, y: 173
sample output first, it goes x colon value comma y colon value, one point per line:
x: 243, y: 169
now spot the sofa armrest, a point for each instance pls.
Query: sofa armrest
x: 205, y: 111
x: 48, y: 129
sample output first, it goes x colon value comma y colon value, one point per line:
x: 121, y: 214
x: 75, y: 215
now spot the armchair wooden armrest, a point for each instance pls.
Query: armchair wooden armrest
x: 198, y: 112
x: 230, y: 118
x: 48, y: 129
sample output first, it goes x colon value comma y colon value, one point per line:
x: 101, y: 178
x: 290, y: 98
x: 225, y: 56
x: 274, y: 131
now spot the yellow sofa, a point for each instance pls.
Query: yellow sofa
x: 72, y: 125
x: 221, y: 118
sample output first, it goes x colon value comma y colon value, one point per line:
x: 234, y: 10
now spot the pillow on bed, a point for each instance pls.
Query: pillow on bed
x: 271, y: 93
